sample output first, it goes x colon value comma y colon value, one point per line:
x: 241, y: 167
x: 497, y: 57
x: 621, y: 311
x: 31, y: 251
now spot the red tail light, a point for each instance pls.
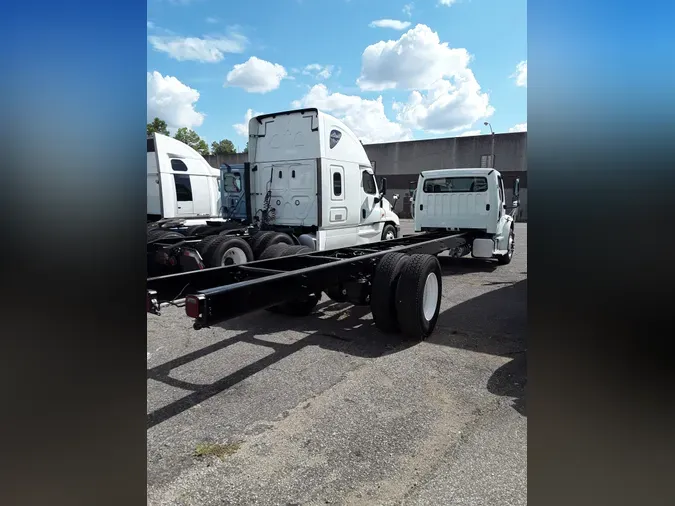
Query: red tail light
x: 192, y: 306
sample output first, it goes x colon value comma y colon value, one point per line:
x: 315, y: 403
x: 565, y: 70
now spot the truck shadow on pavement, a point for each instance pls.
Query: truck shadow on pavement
x: 491, y: 323
x: 465, y: 265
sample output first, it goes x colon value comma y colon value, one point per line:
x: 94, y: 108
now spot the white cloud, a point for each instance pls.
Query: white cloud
x: 390, y: 23
x: 318, y: 71
x: 447, y: 107
x: 520, y: 75
x: 256, y: 75
x: 150, y: 25
x: 212, y: 21
x: 209, y: 50
x: 470, y: 133
x: 174, y: 102
x: 415, y: 61
x: 407, y: 9
x: 446, y: 96
x: 447, y: 3
x: 366, y: 118
x: 242, y: 128
x: 520, y: 127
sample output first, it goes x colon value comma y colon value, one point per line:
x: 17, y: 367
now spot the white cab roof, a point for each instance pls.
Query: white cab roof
x: 457, y: 172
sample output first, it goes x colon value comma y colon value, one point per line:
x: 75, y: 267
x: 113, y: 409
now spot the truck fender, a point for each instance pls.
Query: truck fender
x: 307, y: 240
x: 502, y: 235
x: 391, y: 216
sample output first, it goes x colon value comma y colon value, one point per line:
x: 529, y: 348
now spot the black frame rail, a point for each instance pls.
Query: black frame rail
x: 218, y: 294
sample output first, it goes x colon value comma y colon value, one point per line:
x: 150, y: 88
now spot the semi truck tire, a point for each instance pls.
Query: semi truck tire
x: 256, y: 239
x: 299, y: 307
x: 153, y: 234
x: 270, y: 239
x: 383, y: 296
x: 389, y: 232
x: 418, y: 296
x: 273, y: 251
x: 511, y: 246
x: 158, y: 235
x: 204, y: 244
x: 195, y: 229
x: 228, y: 250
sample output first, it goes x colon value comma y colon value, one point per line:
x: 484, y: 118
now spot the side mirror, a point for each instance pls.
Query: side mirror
x: 395, y: 197
x: 516, y: 193
x: 383, y: 186
x: 377, y: 200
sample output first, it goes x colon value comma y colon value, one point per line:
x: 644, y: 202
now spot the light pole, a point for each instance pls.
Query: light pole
x: 492, y: 151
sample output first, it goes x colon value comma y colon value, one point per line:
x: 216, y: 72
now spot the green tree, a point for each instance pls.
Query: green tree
x: 246, y: 148
x: 159, y: 126
x: 192, y: 139
x: 224, y: 147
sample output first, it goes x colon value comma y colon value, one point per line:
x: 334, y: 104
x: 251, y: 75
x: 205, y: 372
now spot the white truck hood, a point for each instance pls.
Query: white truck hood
x: 389, y: 214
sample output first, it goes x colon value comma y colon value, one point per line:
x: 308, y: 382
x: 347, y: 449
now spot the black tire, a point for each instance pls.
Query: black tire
x: 256, y: 240
x: 270, y: 239
x: 410, y: 296
x: 228, y: 250
x: 153, y: 234
x: 299, y: 307
x: 165, y: 234
x: 383, y: 295
x: 511, y: 246
x: 195, y: 229
x: 276, y: 250
x: 388, y: 229
x: 203, y: 245
x: 296, y: 249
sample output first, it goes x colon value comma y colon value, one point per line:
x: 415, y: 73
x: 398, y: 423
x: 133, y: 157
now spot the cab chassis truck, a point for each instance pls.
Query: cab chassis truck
x: 400, y: 279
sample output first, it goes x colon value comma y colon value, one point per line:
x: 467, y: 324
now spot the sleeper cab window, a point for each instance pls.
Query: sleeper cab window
x: 335, y: 136
x: 178, y: 165
x: 183, y: 188
x: 337, y: 184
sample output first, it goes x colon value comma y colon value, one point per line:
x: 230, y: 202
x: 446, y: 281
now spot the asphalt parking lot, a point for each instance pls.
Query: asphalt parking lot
x: 266, y: 409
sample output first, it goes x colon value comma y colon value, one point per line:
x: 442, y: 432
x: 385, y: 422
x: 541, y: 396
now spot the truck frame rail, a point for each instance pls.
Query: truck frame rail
x: 221, y: 293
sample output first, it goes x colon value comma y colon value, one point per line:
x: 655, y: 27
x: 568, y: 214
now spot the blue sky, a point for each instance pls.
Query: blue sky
x: 391, y: 69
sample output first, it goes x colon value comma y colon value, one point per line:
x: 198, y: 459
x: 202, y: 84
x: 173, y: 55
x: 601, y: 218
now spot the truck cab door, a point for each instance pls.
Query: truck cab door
x: 184, y: 199
x: 371, y: 213
x: 232, y: 196
x: 503, y: 218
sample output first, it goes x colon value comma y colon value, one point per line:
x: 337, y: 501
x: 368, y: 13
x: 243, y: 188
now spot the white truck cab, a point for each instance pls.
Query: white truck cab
x: 181, y: 183
x: 310, y: 172
x: 468, y: 200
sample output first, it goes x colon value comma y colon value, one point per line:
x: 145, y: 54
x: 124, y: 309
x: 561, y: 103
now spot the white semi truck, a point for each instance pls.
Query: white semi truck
x: 308, y: 182
x: 458, y: 211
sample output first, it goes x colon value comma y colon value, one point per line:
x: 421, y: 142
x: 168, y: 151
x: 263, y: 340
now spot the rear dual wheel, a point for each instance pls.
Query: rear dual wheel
x: 159, y: 234
x: 407, y: 294
x: 263, y: 240
x: 227, y: 250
